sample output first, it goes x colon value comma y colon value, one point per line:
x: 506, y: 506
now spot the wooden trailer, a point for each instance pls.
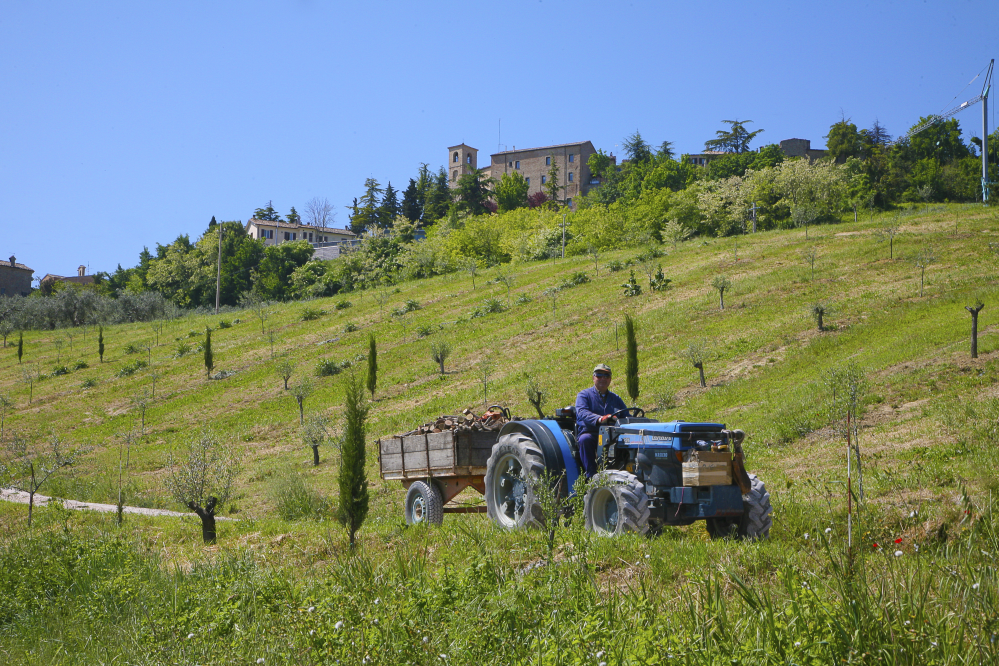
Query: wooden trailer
x: 435, y: 467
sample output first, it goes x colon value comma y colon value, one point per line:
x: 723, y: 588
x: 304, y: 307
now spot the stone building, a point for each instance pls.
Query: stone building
x: 533, y: 164
x: 15, y: 278
x: 327, y: 241
x: 801, y: 148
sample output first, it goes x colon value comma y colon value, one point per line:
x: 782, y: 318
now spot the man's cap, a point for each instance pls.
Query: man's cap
x: 602, y: 367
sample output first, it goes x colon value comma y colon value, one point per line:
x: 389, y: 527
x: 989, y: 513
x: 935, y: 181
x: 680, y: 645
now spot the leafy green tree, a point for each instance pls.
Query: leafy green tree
x: 599, y: 162
x: 941, y: 141
x: 636, y: 148
x: 472, y: 192
x: 844, y: 141
x: 293, y: 216
x: 273, y: 277
x: 631, y: 367
x: 267, y: 213
x: 389, y: 208
x: 352, y: 508
x: 209, y: 357
x: 372, y: 365
x: 734, y: 140
x: 203, y: 479
x: 511, y: 192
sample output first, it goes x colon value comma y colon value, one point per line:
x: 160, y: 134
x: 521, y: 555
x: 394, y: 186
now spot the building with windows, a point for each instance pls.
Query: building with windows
x: 15, y: 278
x: 326, y: 240
x: 81, y: 278
x: 533, y: 164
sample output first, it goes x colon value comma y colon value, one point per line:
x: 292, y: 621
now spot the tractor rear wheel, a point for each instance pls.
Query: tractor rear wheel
x: 423, y: 504
x: 617, y: 504
x: 514, y: 466
x: 756, y: 521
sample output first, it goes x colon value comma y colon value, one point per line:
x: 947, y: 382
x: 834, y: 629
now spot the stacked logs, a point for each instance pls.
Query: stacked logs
x: 464, y: 422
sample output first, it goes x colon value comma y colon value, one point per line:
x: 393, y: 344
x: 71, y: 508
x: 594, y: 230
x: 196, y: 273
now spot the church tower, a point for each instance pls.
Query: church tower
x: 461, y: 159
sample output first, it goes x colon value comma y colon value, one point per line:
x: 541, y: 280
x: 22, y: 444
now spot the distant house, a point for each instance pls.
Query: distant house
x: 326, y: 240
x: 80, y: 278
x: 701, y: 159
x: 802, y: 148
x: 15, y: 278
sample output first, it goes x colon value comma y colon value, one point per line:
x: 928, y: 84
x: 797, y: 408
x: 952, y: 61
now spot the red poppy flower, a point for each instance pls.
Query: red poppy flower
x: 875, y: 545
x: 899, y: 540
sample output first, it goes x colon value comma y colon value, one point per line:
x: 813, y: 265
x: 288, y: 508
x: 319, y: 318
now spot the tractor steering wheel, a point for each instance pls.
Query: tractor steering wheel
x: 636, y: 412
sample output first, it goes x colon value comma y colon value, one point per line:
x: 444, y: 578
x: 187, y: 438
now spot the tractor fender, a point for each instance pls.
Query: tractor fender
x: 554, y: 445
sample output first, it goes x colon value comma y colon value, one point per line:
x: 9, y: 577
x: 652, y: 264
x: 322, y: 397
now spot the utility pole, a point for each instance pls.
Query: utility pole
x: 218, y: 276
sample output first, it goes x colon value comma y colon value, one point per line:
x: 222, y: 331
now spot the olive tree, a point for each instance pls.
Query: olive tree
x: 301, y: 392
x: 285, y: 369
x: 440, y: 350
x: 721, y: 283
x: 202, y: 477
x: 536, y: 395
x: 27, y: 470
x: 696, y: 353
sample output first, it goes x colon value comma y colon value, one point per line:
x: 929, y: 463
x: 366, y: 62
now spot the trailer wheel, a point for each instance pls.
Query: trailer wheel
x: 515, y: 463
x: 423, y: 504
x: 756, y: 521
x: 617, y: 504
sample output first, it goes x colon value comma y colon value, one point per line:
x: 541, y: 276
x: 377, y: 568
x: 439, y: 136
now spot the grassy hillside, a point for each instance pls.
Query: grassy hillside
x: 927, y: 437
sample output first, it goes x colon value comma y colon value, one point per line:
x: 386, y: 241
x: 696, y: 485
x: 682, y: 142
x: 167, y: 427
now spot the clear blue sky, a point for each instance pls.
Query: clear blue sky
x: 124, y: 124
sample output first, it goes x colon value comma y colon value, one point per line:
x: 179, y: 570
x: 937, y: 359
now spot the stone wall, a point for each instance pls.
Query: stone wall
x: 14, y: 281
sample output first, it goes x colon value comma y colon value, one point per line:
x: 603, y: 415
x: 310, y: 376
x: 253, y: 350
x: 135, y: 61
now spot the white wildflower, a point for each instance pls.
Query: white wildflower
x: 338, y: 625
x: 898, y: 553
x: 260, y: 661
x: 797, y: 644
x: 190, y: 636
x: 312, y: 609
x: 828, y: 530
x: 974, y: 587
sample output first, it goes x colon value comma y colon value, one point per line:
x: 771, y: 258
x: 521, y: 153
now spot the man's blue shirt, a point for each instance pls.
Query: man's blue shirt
x: 590, y: 406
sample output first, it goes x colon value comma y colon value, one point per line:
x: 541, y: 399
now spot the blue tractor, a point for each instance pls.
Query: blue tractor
x: 653, y: 475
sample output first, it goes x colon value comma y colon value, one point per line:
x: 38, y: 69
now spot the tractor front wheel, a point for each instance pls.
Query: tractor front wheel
x: 616, y: 504
x: 514, y: 466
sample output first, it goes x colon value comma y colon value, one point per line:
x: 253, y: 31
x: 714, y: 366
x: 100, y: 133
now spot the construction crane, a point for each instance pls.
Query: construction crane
x: 937, y: 119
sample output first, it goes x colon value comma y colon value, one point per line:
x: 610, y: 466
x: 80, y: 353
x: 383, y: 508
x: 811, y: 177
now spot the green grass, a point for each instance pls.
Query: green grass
x: 475, y: 592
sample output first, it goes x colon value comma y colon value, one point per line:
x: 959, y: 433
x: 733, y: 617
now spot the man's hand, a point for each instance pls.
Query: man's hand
x: 606, y: 418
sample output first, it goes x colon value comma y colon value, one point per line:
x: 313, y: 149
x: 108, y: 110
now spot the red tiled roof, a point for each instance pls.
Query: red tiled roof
x: 524, y: 150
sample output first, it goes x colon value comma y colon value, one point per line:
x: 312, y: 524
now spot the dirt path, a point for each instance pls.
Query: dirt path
x: 10, y: 495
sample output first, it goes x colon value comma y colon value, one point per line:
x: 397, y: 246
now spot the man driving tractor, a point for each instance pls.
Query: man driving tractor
x: 595, y: 407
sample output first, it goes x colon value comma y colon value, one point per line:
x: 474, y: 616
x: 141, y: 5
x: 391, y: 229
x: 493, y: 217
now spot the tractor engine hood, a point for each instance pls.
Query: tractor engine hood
x: 675, y: 435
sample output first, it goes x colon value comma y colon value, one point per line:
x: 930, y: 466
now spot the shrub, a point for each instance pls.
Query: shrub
x: 60, y: 370
x: 577, y: 278
x: 425, y: 330
x: 349, y: 327
x: 631, y: 287
x: 193, y: 334
x: 327, y: 367
x: 296, y: 500
x: 489, y: 306
x: 409, y: 306
x: 224, y: 324
x: 343, y: 305
x: 522, y: 299
x: 311, y: 314
x: 132, y: 348
x: 131, y: 368
x: 614, y: 266
x: 89, y: 382
x: 80, y: 365
x: 182, y: 349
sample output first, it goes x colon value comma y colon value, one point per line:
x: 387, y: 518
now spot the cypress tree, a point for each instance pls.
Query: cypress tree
x: 20, y: 346
x: 100, y: 342
x: 631, y: 368
x: 353, y: 505
x: 372, y: 365
x: 209, y: 358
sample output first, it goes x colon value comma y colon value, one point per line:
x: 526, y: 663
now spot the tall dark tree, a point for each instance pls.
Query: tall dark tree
x: 211, y: 225
x: 267, y: 213
x: 389, y: 208
x: 352, y: 507
x: 438, y: 200
x: 631, y: 366
x: 293, y: 216
x: 372, y: 365
x: 100, y: 343
x: 844, y: 141
x: 877, y: 135
x: 637, y: 149
x: 666, y: 150
x: 20, y: 347
x: 368, y: 208
x: 473, y: 191
x: 412, y: 209
x: 209, y: 356
x: 734, y: 140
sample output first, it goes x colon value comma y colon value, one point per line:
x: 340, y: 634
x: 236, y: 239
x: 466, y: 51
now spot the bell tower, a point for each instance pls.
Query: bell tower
x: 461, y: 159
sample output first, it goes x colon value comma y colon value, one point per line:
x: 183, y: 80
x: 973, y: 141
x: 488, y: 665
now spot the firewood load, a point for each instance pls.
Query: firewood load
x: 467, y: 420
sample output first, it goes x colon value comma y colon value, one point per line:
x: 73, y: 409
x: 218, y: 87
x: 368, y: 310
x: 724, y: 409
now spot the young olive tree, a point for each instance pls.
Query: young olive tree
x: 818, y: 312
x: 257, y: 305
x: 808, y: 256
x: 974, y: 310
x: 721, y: 283
x: 202, y: 477
x: 301, y: 392
x: 536, y: 395
x: 440, y: 350
x: 696, y: 354
x: 923, y: 258
x: 27, y: 470
x: 6, y: 404
x: 352, y: 508
x: 285, y: 369
x: 887, y: 231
